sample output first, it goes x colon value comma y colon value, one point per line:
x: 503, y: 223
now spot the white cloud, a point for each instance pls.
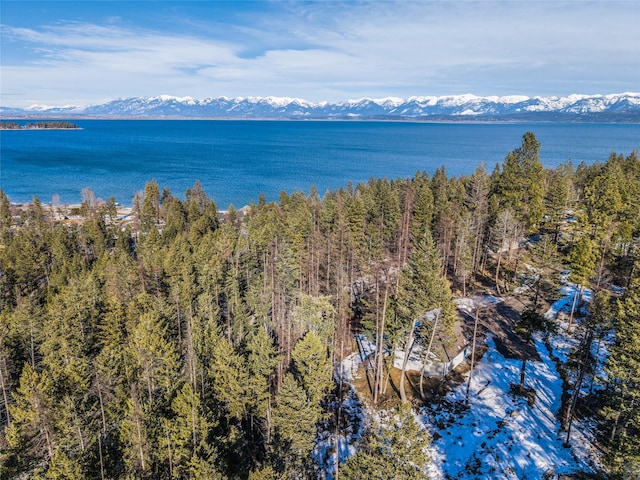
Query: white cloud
x: 332, y: 51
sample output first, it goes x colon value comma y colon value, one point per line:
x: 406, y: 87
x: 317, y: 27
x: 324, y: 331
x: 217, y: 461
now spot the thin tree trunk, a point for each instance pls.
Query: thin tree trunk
x: 379, y: 348
x: 178, y: 315
x: 426, y: 355
x: 537, y: 295
x: 580, y: 303
x: 3, y: 386
x: 77, y: 421
x: 595, y: 366
x: 136, y: 415
x: 407, y: 352
x: 574, y: 401
x: 614, y: 429
x: 391, y: 359
x: 473, y: 355
x: 194, y: 418
x: 576, y: 393
x: 523, y: 371
x: 403, y: 248
x: 100, y: 455
x: 477, y: 244
x: 515, y: 270
x: 376, y: 355
x: 166, y: 433
x: 573, y: 308
x: 32, y: 344
x: 464, y: 285
x: 498, y: 273
x: 605, y: 242
x: 104, y: 420
x: 268, y: 420
x: 44, y: 428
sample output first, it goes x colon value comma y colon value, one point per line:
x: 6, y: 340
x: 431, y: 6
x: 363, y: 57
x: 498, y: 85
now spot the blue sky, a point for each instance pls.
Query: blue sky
x: 79, y: 53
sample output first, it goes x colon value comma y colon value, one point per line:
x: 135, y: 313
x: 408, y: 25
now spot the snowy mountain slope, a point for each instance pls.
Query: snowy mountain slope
x: 460, y: 106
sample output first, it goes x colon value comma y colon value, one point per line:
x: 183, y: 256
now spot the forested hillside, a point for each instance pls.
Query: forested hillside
x: 182, y: 342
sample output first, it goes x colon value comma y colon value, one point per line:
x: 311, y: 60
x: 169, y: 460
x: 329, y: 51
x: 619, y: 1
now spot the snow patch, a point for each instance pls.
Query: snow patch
x: 500, y: 435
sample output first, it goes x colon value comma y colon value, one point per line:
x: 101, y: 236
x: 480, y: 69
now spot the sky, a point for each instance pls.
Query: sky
x: 81, y: 53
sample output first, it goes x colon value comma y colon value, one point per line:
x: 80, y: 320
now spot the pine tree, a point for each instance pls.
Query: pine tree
x: 317, y: 315
x: 560, y: 193
x: 294, y: 419
x: 422, y: 288
x: 521, y: 185
x: 583, y: 262
x: 546, y: 259
x: 134, y: 437
x: 152, y: 353
x: 31, y: 432
x: 174, y: 215
x: 505, y: 232
x: 186, y: 436
x: 69, y: 329
x: 265, y: 473
x: 5, y: 212
x: 6, y: 370
x: 423, y: 206
x: 598, y: 319
x: 262, y: 359
x: 150, y: 210
x: 229, y: 377
x: 63, y: 467
x: 393, y: 451
x: 623, y: 368
x: 477, y: 201
x: 313, y: 367
x: 202, y: 212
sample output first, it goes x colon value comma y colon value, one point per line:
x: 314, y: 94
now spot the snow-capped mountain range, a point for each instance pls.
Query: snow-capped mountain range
x: 623, y: 106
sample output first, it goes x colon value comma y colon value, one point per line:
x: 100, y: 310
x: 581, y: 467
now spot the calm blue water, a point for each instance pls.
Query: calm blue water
x: 237, y: 160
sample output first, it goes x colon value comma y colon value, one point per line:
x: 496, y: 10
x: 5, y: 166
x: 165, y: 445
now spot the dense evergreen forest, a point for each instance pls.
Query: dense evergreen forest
x: 185, y: 343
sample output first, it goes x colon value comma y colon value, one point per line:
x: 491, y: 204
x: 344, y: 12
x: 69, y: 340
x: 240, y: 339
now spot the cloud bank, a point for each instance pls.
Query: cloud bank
x: 320, y: 50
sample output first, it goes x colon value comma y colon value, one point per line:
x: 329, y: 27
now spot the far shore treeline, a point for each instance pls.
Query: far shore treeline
x: 177, y: 342
x: 46, y: 125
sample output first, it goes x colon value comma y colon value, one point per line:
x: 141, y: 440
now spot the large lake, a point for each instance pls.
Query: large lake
x: 237, y: 160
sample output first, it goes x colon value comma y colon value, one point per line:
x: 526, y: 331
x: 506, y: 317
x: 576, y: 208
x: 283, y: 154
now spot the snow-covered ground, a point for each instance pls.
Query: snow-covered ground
x: 332, y: 447
x: 498, y: 435
x: 470, y: 304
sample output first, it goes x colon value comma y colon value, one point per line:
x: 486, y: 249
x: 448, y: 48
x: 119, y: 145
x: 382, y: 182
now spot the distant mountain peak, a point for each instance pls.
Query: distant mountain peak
x: 617, y: 106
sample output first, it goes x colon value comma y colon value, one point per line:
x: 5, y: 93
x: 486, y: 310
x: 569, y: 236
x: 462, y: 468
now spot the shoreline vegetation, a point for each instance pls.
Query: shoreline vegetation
x: 47, y: 125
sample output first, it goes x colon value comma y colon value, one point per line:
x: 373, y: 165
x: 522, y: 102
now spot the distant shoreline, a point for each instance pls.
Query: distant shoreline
x: 41, y: 125
x: 36, y: 129
x: 625, y: 118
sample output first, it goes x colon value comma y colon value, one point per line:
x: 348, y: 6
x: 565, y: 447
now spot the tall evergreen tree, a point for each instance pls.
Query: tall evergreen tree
x: 313, y: 367
x: 522, y: 182
x: 422, y: 288
x: 5, y: 212
x: 583, y: 262
x: 150, y: 210
x: 294, y: 418
x: 186, y: 437
x: 623, y: 368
